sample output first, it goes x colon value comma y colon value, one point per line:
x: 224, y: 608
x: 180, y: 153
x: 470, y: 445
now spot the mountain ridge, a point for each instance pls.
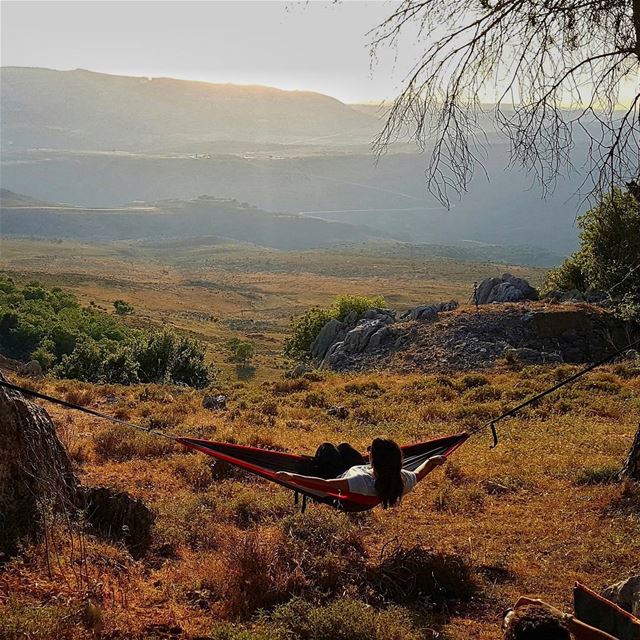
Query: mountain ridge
x: 82, y: 109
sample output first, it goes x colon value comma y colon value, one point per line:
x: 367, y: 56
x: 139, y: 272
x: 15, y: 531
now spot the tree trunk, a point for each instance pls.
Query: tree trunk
x: 35, y: 471
x: 631, y: 468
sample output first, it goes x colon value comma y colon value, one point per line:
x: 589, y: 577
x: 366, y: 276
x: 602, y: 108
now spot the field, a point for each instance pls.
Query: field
x: 218, y: 291
x: 228, y: 552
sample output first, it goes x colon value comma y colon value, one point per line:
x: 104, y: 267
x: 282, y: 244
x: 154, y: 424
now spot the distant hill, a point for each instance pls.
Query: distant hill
x: 204, y: 216
x: 207, y: 222
x: 44, y: 108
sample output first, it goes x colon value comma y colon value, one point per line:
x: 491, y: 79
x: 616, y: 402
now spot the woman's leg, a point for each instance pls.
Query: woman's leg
x: 329, y: 463
x: 350, y: 457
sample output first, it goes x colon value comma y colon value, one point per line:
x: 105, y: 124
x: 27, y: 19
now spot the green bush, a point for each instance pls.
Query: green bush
x: 89, y: 345
x: 344, y: 619
x: 305, y: 328
x: 607, y: 258
x: 122, y: 308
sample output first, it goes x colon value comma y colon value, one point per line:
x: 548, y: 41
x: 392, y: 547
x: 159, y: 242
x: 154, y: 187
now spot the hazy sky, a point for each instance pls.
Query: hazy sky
x: 319, y: 46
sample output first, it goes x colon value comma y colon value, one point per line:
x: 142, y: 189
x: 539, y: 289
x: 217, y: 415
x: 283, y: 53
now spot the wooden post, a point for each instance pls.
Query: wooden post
x: 631, y: 468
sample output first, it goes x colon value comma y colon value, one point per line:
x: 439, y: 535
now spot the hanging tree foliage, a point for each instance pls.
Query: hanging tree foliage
x: 563, y: 70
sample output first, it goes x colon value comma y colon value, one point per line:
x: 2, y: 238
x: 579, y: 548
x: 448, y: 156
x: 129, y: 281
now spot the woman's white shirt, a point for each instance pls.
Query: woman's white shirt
x: 362, y: 481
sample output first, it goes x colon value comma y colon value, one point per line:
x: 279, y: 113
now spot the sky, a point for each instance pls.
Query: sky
x: 316, y: 45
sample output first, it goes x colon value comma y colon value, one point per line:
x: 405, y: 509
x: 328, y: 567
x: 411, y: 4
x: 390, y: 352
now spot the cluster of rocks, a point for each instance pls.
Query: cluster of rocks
x: 215, y: 403
x: 340, y: 343
x: 441, y: 337
x: 507, y: 288
x: 429, y: 311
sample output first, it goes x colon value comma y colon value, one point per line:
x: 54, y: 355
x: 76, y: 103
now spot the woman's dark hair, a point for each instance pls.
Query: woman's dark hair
x: 536, y: 623
x: 386, y: 460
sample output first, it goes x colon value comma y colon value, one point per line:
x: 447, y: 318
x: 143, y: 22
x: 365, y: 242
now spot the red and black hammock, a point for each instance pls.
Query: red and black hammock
x: 266, y: 464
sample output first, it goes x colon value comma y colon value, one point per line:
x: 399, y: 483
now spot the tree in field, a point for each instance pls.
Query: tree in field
x: 122, y: 308
x: 558, y: 71
x: 241, y: 352
x: 609, y: 255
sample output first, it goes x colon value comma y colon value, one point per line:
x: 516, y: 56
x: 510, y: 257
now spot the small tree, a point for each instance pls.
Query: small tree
x: 609, y: 255
x: 241, y: 352
x: 122, y: 308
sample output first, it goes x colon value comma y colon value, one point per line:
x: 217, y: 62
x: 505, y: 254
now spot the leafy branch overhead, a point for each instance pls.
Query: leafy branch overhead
x: 563, y: 76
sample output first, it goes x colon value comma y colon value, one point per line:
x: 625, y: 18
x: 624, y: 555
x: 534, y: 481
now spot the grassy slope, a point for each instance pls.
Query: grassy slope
x: 536, y: 534
x: 534, y: 530
x: 216, y: 292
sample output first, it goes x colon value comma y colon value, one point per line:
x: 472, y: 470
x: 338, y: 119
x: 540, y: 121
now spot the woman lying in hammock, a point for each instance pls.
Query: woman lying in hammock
x: 344, y: 469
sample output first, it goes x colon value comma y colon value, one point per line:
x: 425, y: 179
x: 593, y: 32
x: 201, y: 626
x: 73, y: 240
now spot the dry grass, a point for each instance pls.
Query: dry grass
x: 227, y: 545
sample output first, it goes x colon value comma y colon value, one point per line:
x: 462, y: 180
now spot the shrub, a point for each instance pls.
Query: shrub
x: 122, y: 308
x: 122, y: 443
x: 407, y: 575
x: 598, y: 475
x: 305, y: 328
x: 284, y: 387
x: 240, y: 351
x: 369, y: 389
x: 344, y: 619
x: 315, y: 399
x: 87, y: 344
x: 474, y: 380
x: 231, y: 631
x: 39, y: 622
x: 260, y: 574
x: 608, y: 252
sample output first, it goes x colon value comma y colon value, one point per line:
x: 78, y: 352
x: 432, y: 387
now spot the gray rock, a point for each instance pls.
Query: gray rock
x: 215, y: 403
x: 298, y: 371
x: 485, y: 288
x: 427, y: 312
x: 380, y: 337
x: 357, y: 339
x: 31, y: 369
x: 331, y: 333
x: 338, y: 411
x: 625, y: 594
x: 388, y: 316
x: 505, y: 292
x: 508, y: 288
x: 531, y: 356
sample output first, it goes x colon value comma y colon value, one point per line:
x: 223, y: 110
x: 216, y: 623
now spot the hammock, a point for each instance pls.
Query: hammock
x: 266, y: 464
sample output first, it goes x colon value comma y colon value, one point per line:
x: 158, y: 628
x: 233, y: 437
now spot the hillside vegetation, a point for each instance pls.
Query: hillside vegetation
x: 50, y: 326
x: 231, y: 558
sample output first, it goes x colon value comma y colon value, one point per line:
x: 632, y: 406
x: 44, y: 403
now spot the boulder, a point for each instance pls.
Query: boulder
x: 298, y: 371
x: 332, y: 332
x: 36, y: 476
x: 338, y: 411
x: 118, y: 516
x: 387, y: 316
x: 31, y: 369
x: 508, y: 288
x: 215, y: 403
x: 626, y: 594
x: 430, y: 311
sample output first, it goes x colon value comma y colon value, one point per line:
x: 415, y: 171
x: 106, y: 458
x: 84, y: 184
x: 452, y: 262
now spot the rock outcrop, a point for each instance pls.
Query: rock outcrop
x: 466, y: 339
x: 429, y: 311
x: 507, y: 288
x: 626, y: 594
x: 118, y: 516
x: 36, y: 476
